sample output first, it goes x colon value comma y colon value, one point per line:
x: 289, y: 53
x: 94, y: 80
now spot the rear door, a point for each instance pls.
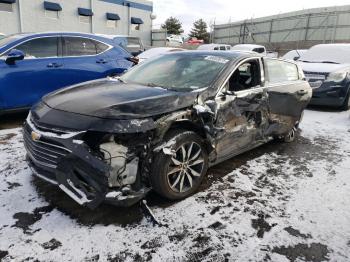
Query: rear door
x: 289, y: 93
x: 25, y: 82
x: 84, y: 59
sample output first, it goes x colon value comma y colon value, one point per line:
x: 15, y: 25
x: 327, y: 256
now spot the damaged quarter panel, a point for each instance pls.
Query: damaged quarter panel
x: 160, y: 125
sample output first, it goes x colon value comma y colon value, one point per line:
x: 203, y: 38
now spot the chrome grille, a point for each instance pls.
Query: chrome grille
x: 43, y: 152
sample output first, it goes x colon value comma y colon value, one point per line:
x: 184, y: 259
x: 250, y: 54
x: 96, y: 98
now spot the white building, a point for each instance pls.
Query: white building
x: 118, y: 17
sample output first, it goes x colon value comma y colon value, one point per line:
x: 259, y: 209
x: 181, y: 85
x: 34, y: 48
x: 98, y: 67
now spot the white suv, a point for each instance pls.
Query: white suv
x: 175, y: 38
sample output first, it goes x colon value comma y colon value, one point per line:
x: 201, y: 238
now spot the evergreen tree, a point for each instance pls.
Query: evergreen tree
x: 200, y: 30
x: 173, y: 26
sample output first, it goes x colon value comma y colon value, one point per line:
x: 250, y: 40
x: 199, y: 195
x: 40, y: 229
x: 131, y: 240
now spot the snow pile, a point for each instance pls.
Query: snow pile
x: 278, y: 202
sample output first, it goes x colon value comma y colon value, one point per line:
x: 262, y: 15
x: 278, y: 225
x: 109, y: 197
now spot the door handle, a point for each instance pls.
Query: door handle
x: 302, y: 92
x: 101, y: 61
x: 54, y: 65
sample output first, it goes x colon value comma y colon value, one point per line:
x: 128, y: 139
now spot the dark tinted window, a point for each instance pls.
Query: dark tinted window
x: 77, y: 46
x: 222, y: 48
x: 40, y: 47
x: 259, y: 50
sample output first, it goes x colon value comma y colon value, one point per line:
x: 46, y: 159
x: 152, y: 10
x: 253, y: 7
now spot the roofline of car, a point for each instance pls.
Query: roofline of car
x: 62, y: 35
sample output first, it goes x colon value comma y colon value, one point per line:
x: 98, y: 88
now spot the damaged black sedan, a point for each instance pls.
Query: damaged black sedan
x: 162, y: 124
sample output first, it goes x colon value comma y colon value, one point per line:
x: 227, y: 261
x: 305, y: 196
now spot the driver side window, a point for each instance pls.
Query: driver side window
x: 247, y: 76
x: 40, y: 48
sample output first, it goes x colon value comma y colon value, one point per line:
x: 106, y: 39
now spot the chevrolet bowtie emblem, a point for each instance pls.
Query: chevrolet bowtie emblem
x: 35, y: 136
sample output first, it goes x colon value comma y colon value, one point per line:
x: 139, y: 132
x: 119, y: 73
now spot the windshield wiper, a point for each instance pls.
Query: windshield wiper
x: 323, y: 62
x: 121, y: 80
x: 330, y: 62
x: 156, y: 85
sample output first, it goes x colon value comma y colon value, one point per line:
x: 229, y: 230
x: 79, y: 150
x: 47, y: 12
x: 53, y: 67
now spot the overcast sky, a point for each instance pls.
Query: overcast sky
x: 224, y: 11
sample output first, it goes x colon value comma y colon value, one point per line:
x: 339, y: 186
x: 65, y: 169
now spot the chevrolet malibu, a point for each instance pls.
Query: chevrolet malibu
x: 33, y: 65
x: 162, y: 124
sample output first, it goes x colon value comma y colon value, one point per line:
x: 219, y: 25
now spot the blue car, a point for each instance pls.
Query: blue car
x: 33, y: 65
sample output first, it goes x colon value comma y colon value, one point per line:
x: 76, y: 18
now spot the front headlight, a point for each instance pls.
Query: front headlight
x: 337, y: 76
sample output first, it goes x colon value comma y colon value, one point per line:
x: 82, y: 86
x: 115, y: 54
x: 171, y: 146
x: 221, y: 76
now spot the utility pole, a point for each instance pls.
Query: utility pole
x: 20, y: 17
x: 92, y: 17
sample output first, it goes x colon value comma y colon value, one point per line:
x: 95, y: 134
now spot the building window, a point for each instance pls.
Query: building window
x: 6, y: 7
x: 136, y: 27
x: 85, y: 19
x: 51, y: 14
x: 112, y: 23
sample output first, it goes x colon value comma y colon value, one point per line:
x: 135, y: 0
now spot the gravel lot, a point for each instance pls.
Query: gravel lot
x: 279, y: 202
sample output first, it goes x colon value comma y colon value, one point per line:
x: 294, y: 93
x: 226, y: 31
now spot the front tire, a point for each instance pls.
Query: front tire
x: 179, y: 175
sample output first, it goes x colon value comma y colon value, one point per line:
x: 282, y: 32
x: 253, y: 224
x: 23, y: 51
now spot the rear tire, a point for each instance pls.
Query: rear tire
x: 179, y: 175
x: 288, y: 138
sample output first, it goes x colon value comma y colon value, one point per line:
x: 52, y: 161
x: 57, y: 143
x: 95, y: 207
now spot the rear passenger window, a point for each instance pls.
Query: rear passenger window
x: 281, y: 71
x: 77, y: 46
x: 259, y: 50
x: 101, y: 47
x: 222, y: 48
x: 40, y: 47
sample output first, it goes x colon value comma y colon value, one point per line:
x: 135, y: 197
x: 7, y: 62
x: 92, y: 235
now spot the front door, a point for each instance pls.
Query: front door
x: 25, y: 82
x: 242, y: 110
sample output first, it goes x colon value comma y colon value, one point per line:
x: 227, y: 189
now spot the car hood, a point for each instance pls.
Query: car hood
x: 322, y: 67
x: 116, y: 100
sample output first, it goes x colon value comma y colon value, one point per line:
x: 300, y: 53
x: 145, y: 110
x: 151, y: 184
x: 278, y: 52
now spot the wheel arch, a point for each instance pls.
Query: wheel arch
x: 187, y: 125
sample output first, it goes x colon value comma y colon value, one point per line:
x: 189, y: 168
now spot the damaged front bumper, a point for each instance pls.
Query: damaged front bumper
x: 63, y: 159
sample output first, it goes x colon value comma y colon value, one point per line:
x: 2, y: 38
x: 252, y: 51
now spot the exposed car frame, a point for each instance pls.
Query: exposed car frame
x: 69, y: 149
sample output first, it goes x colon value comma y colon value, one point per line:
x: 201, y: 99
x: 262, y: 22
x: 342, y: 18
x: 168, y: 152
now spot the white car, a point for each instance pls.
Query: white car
x: 215, y: 47
x: 2, y: 36
x: 294, y: 54
x: 175, y: 38
x: 156, y: 52
x: 249, y: 47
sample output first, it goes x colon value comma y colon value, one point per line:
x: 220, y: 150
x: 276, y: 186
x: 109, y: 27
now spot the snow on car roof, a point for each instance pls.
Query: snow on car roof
x: 210, y: 46
x: 336, y: 53
x: 247, y: 46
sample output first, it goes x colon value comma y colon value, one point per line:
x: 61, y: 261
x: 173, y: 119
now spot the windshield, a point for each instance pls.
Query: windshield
x: 178, y: 71
x: 332, y: 54
x: 6, y: 40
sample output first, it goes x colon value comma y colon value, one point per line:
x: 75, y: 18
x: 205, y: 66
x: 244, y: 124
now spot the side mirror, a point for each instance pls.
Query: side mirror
x: 13, y: 56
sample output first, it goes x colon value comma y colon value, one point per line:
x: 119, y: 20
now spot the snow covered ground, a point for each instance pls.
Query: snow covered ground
x: 279, y: 202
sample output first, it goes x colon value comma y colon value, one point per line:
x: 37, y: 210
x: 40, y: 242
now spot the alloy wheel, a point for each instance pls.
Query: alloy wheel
x: 186, y: 167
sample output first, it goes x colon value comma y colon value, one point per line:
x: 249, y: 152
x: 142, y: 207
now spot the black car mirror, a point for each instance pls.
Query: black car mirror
x: 13, y: 56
